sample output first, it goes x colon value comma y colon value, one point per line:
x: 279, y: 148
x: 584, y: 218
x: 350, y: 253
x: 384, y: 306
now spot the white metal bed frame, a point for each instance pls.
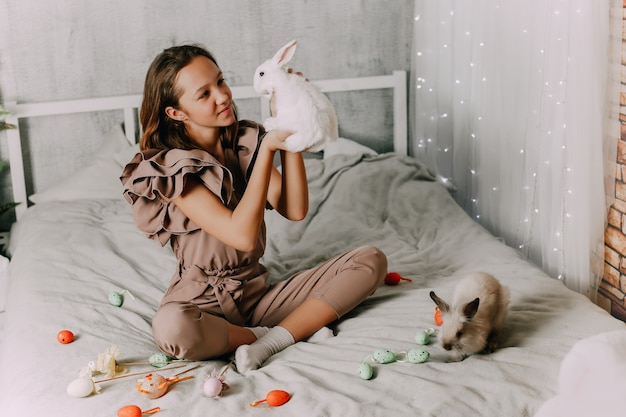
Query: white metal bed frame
x: 130, y: 105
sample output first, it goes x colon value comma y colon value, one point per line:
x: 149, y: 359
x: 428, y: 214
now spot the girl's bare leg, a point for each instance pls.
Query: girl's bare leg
x: 301, y: 323
x: 238, y: 336
x: 308, y: 318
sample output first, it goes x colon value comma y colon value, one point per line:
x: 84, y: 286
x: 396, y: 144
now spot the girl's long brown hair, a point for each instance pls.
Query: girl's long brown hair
x: 159, y: 131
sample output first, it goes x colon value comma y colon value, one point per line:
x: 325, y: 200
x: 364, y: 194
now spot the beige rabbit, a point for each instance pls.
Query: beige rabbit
x: 474, y: 320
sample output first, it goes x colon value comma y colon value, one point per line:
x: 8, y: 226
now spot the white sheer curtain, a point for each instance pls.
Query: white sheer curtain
x: 515, y: 105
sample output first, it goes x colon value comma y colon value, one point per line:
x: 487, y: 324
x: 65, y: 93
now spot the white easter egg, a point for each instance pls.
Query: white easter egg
x: 81, y: 387
x: 154, y: 386
x: 212, y: 387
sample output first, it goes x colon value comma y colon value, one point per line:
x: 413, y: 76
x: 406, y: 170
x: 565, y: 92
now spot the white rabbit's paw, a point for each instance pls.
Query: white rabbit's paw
x: 316, y: 147
x: 297, y: 143
x: 270, y: 124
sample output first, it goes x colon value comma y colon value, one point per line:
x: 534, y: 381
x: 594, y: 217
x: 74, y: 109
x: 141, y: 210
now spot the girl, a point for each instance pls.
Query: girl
x: 202, y: 181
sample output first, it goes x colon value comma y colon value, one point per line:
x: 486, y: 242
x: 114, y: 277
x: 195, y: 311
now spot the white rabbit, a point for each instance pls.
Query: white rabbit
x: 472, y: 323
x: 300, y: 106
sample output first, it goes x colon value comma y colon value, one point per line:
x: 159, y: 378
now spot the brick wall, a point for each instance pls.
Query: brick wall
x: 612, y: 291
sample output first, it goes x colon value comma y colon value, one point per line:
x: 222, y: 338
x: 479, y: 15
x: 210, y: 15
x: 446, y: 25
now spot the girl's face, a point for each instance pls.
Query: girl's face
x: 205, y: 104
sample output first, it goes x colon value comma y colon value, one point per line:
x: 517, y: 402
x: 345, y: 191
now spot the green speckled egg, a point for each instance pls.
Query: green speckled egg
x: 159, y: 360
x: 384, y: 356
x: 365, y: 371
x: 422, y: 338
x: 417, y: 355
x: 116, y: 299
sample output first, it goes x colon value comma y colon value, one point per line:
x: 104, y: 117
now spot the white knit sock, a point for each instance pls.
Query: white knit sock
x: 250, y: 357
x: 258, y: 331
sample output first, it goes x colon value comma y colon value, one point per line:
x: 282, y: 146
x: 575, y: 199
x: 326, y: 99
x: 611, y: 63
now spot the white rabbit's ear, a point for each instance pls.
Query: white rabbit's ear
x: 285, y: 53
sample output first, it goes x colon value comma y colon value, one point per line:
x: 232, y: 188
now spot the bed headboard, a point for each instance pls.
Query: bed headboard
x: 130, y: 105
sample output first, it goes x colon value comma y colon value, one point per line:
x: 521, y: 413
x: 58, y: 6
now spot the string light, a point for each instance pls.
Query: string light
x: 542, y: 119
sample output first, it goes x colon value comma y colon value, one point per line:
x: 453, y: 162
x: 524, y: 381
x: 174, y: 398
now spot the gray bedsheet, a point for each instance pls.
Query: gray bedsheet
x: 67, y: 258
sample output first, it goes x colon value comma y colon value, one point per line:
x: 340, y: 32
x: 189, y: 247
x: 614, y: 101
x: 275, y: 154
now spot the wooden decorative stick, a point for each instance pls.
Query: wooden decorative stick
x: 136, y: 374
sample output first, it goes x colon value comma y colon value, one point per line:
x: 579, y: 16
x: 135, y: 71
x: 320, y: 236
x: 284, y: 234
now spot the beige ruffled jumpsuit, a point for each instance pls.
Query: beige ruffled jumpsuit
x: 214, y: 283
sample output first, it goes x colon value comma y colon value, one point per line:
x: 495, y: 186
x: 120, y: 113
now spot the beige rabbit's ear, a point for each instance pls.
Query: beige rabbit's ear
x: 285, y: 53
x: 471, y: 308
x: 443, y: 306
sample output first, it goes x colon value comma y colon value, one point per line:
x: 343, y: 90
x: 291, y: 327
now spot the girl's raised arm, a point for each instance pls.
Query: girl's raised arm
x: 289, y: 192
x: 240, y: 227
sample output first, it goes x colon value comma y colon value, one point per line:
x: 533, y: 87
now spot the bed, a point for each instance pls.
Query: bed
x: 76, y: 244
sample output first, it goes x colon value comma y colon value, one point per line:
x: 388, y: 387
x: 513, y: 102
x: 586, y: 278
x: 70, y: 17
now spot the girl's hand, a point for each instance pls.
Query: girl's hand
x: 274, y: 140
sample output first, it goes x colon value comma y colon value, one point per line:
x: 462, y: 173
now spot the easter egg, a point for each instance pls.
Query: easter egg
x: 81, y: 387
x: 212, y: 387
x: 65, y: 337
x: 384, y: 356
x: 417, y: 355
x: 159, y: 360
x: 422, y: 338
x: 116, y: 299
x: 129, y: 411
x: 277, y: 397
x: 365, y: 371
x: 153, y: 385
x: 274, y: 398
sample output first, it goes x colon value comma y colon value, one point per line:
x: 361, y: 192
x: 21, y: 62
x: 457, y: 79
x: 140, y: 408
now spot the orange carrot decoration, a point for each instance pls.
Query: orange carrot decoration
x: 438, y: 318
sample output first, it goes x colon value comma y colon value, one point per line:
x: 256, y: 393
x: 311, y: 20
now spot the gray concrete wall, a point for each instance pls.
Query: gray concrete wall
x: 69, y: 49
